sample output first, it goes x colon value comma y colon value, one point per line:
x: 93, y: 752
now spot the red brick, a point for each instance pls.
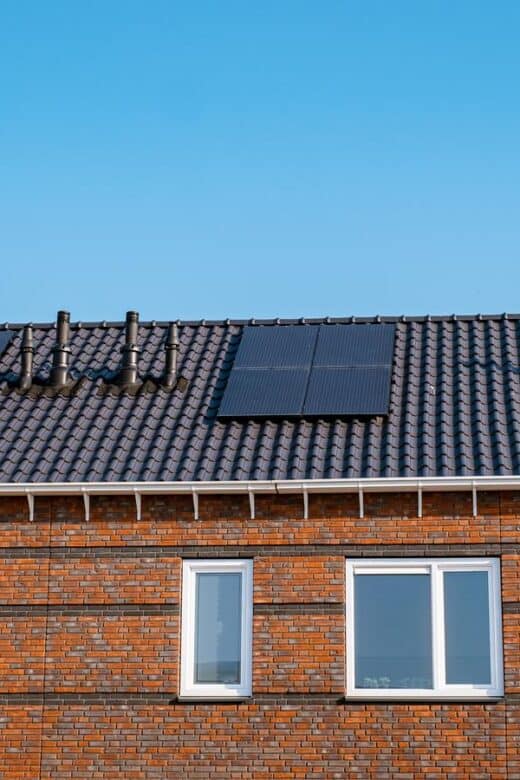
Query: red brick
x: 120, y: 645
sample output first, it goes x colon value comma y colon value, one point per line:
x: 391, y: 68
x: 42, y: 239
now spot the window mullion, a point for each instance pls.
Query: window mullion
x: 495, y: 626
x: 439, y: 665
x: 246, y: 628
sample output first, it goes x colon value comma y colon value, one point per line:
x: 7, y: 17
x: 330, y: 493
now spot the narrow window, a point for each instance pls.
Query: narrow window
x: 216, y: 629
x: 424, y: 628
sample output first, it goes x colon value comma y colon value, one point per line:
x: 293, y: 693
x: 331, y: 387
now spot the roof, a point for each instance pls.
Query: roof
x: 454, y: 410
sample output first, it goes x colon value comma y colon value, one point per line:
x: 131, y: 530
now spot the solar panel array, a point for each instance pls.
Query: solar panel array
x: 311, y: 371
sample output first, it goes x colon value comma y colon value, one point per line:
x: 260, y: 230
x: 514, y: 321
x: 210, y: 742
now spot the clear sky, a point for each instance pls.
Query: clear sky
x: 275, y: 158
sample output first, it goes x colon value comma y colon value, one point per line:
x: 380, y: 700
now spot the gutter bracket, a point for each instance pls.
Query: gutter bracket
x: 137, y: 505
x: 30, y: 503
x: 361, y: 502
x: 195, y: 497
x: 86, y: 503
x: 305, y: 503
x: 251, y: 502
x: 475, y: 499
x: 419, y: 500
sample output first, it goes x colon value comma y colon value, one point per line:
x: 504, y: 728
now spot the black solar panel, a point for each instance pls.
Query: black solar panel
x: 6, y: 337
x: 277, y: 392
x: 290, y: 346
x: 354, y: 345
x: 356, y: 391
x: 311, y: 370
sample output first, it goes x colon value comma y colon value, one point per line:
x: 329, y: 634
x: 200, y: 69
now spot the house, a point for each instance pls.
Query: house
x: 277, y: 549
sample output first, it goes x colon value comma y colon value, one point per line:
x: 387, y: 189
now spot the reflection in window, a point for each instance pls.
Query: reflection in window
x: 218, y: 628
x: 466, y: 616
x: 393, y: 631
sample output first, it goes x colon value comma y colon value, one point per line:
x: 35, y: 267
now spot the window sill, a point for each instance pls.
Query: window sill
x: 415, y: 699
x: 211, y: 699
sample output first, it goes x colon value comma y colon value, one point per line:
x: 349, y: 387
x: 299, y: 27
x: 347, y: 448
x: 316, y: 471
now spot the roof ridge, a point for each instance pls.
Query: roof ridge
x: 379, y: 318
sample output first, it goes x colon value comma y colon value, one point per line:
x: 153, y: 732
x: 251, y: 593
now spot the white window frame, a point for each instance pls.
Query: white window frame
x: 435, y: 567
x: 189, y: 688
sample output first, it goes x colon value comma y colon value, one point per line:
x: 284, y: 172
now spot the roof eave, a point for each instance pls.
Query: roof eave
x: 252, y: 488
x: 344, y: 485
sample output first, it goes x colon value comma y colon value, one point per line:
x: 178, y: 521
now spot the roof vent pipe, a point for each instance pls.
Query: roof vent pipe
x: 128, y: 373
x: 27, y: 358
x: 172, y: 350
x: 61, y: 351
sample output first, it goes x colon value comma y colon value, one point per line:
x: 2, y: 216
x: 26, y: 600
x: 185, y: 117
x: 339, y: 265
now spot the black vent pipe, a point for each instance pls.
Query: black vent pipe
x: 172, y: 349
x: 128, y: 372
x: 27, y: 358
x: 61, y: 351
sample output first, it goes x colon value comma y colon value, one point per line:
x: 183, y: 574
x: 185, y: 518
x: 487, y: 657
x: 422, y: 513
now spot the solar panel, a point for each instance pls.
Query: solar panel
x: 311, y: 370
x: 277, y: 392
x: 6, y: 337
x: 358, y: 390
x: 275, y: 346
x: 354, y: 345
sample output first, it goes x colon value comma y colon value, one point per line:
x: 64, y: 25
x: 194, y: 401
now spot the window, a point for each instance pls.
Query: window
x: 217, y: 603
x: 421, y: 628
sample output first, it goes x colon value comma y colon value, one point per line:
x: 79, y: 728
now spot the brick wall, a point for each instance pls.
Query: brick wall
x: 90, y: 624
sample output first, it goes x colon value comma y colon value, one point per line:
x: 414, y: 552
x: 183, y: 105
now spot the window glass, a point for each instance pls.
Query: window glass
x: 393, y: 631
x: 466, y: 615
x: 218, y: 628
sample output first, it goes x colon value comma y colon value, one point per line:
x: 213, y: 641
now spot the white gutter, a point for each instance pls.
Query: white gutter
x: 250, y: 488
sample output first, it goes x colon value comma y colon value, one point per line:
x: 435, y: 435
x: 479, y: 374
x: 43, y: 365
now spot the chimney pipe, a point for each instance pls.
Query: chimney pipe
x: 27, y: 358
x: 172, y: 349
x: 61, y: 351
x: 128, y: 373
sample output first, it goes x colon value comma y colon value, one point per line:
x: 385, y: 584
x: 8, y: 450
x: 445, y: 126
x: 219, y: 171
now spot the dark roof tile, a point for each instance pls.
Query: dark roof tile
x: 454, y: 409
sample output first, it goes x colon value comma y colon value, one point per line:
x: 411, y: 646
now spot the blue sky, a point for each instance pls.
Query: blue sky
x: 282, y: 158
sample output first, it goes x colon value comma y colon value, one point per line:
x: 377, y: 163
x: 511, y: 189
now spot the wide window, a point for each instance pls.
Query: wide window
x: 216, y: 629
x: 420, y: 628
